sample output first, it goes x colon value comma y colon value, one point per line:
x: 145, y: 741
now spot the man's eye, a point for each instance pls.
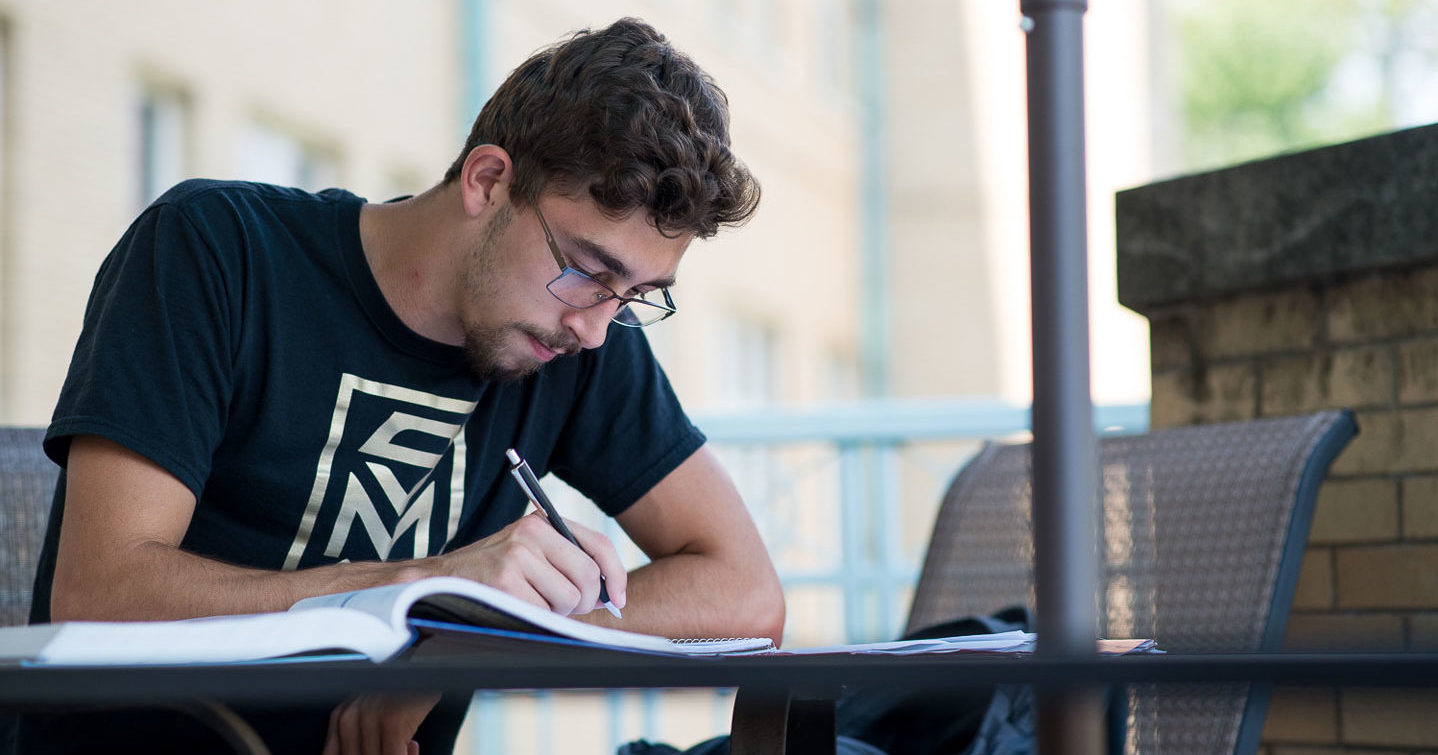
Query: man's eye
x: 598, y: 278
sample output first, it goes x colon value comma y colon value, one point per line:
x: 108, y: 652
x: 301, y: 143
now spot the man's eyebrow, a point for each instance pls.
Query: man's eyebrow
x: 615, y: 265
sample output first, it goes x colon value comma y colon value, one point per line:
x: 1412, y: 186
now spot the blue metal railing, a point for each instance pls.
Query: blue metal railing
x: 894, y: 421
x: 872, y: 573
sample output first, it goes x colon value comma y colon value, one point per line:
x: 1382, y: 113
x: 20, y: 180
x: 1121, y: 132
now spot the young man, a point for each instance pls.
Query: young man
x: 280, y: 394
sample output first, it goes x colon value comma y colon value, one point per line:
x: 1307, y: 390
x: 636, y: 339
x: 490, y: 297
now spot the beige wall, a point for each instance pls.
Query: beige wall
x: 378, y: 85
x: 958, y: 210
x: 375, y: 84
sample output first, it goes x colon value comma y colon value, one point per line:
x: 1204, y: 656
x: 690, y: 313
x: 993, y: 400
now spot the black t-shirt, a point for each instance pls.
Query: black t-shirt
x: 237, y: 337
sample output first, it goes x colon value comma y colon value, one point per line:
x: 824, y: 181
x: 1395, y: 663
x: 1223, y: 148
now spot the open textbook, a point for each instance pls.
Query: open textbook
x: 378, y: 622
x: 382, y: 622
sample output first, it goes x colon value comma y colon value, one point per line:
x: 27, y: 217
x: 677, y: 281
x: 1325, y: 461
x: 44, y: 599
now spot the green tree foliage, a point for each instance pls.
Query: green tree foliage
x: 1259, y: 77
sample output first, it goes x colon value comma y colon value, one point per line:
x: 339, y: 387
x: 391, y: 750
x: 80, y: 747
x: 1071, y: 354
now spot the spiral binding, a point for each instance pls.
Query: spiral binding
x: 705, y: 640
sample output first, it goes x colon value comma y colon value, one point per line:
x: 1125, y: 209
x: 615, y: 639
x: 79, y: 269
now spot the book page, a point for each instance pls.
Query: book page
x: 219, y: 639
x: 464, y: 602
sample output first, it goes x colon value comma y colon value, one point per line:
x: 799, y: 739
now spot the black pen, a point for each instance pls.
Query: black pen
x: 519, y: 468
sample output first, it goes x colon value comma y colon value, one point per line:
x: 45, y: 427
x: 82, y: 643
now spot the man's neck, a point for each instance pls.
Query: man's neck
x: 411, y: 249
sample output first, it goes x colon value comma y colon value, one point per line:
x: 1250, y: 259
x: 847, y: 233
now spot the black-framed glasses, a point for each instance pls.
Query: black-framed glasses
x: 580, y: 290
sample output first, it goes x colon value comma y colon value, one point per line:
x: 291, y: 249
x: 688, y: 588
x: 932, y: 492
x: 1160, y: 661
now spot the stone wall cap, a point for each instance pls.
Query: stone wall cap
x: 1363, y: 205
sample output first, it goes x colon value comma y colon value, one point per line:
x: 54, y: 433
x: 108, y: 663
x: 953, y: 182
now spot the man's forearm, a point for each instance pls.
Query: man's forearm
x: 691, y: 595
x: 142, y: 578
x: 119, y: 555
x: 155, y: 581
x: 710, y: 574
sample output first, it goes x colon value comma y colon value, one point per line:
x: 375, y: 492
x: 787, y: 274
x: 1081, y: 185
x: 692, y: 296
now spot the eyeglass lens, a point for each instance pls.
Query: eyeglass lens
x: 579, y: 290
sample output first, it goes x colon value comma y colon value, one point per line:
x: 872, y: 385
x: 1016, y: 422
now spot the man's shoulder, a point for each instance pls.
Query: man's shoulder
x: 199, y: 194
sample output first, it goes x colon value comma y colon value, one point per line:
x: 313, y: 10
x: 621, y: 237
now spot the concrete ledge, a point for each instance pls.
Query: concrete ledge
x: 1360, y: 206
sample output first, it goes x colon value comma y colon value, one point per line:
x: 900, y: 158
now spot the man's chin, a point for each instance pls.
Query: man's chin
x: 492, y: 359
x: 494, y: 373
x: 491, y: 370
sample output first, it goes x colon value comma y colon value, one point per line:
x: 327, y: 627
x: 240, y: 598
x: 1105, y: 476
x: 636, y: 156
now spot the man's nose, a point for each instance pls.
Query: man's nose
x: 591, y: 325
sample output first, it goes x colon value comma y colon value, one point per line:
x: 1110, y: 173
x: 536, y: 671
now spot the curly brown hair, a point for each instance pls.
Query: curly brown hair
x: 621, y: 114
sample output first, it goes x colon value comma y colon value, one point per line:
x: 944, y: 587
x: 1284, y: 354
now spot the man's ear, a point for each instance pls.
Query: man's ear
x: 487, y: 168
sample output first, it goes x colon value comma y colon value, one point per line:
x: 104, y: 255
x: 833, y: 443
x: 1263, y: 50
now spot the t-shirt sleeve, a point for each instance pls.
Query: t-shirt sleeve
x: 152, y: 369
x: 627, y: 430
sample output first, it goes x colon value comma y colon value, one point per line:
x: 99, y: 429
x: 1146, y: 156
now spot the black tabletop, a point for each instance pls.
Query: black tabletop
x: 20, y: 686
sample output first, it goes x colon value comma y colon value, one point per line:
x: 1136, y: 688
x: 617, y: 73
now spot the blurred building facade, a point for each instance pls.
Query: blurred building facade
x: 889, y: 256
x: 105, y: 106
x: 957, y: 206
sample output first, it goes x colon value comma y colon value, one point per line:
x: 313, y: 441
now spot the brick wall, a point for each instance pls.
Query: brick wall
x: 1370, y: 577
x: 1301, y: 283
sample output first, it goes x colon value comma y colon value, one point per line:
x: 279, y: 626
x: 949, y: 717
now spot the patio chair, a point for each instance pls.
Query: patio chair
x: 27, y: 483
x: 1202, y: 529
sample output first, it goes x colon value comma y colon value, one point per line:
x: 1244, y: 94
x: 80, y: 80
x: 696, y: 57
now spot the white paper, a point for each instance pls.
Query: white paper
x: 1003, y: 642
x: 219, y: 639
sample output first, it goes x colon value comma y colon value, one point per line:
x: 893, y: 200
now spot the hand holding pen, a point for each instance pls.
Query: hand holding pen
x: 519, y: 469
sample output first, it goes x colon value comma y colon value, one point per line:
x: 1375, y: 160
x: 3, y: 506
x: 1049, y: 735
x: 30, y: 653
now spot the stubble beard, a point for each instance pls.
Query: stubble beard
x: 484, y: 344
x: 481, y: 350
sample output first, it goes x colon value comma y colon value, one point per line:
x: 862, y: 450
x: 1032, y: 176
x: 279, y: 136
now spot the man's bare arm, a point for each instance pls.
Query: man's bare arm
x: 710, y: 574
x: 120, y: 557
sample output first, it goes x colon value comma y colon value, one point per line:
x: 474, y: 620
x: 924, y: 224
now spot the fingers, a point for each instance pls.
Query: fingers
x: 530, y: 560
x: 332, y: 736
x: 601, y: 550
x: 377, y: 725
x: 568, y: 577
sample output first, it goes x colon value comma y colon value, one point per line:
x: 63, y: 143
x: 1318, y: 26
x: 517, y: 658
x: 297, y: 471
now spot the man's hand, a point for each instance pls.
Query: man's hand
x: 709, y: 574
x: 530, y: 560
x: 377, y: 725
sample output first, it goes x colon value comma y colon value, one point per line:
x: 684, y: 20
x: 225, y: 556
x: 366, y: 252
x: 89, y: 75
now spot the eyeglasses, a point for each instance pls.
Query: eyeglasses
x: 580, y: 290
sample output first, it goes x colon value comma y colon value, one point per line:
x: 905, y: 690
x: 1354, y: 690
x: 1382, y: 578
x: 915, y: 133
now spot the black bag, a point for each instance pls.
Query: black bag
x: 900, y: 722
x: 972, y: 722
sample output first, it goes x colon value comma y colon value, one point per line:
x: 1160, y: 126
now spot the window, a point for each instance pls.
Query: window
x: 748, y: 351
x: 770, y: 28
x: 270, y: 155
x: 836, y: 40
x: 164, y: 141
x: 840, y: 376
x: 748, y: 354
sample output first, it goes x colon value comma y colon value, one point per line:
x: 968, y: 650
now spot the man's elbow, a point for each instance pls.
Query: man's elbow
x: 100, y: 587
x: 68, y: 601
x: 78, y: 592
x: 773, y: 622
x: 765, y: 608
